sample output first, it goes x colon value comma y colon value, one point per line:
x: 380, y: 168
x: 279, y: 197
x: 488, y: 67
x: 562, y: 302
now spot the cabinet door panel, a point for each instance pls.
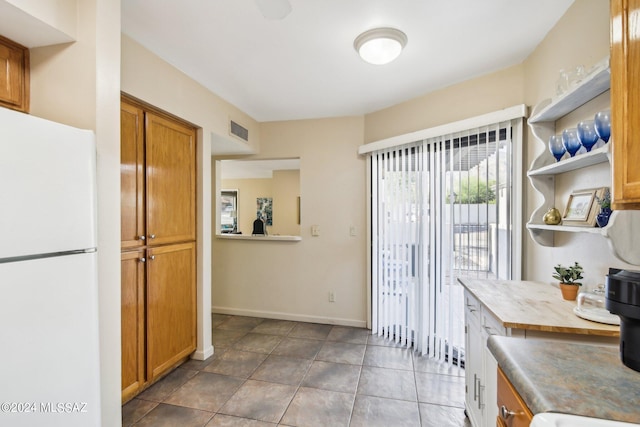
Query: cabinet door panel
x: 14, y: 75
x: 131, y: 176
x: 474, y: 349
x: 171, y: 306
x: 511, y: 400
x: 171, y: 181
x: 625, y: 103
x: 132, y: 326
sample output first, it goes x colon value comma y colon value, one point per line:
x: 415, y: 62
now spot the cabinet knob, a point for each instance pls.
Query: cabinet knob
x: 152, y: 257
x: 142, y: 237
x: 506, y: 413
x: 143, y: 259
x: 152, y: 236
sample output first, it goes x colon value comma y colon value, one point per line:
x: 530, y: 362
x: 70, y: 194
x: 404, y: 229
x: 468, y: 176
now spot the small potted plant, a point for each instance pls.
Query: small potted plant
x: 605, y: 208
x: 569, y: 280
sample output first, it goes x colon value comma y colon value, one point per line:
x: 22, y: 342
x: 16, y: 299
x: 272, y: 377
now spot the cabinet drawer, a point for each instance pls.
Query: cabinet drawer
x: 491, y: 325
x: 512, y: 410
x: 471, y: 305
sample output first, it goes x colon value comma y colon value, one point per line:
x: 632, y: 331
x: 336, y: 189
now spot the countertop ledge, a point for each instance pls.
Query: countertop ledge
x: 274, y: 238
x: 535, y: 306
x: 572, y: 378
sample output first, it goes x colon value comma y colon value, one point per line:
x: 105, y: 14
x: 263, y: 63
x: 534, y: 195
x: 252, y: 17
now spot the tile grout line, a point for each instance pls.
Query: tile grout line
x: 341, y: 339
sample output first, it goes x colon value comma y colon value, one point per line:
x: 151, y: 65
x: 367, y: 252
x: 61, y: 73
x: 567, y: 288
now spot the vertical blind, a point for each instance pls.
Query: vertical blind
x: 441, y: 208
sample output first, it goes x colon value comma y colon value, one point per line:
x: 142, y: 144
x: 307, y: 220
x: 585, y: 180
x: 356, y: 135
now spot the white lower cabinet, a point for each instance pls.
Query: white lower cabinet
x: 481, y: 368
x: 480, y: 365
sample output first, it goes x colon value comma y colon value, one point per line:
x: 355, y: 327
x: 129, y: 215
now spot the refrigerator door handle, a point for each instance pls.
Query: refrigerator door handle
x: 46, y: 255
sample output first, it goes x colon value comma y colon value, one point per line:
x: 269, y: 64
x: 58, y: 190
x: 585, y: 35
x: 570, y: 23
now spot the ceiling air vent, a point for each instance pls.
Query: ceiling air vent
x: 239, y: 131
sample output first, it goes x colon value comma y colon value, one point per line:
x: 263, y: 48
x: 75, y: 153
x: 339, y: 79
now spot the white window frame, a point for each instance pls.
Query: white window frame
x: 516, y: 114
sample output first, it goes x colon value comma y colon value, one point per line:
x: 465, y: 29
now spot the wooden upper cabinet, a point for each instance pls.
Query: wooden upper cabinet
x: 132, y: 172
x: 158, y: 178
x: 625, y: 103
x: 171, y: 181
x: 14, y: 75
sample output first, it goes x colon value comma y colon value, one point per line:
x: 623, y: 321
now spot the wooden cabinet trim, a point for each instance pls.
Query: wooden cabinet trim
x: 133, y: 101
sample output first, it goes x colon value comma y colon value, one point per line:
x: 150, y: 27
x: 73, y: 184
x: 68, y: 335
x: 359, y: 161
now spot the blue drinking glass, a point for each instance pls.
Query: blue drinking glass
x: 556, y: 147
x: 587, y: 134
x: 602, y: 121
x: 570, y: 141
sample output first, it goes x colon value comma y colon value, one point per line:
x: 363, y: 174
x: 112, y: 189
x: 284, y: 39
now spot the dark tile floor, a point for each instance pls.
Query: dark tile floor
x: 281, y: 373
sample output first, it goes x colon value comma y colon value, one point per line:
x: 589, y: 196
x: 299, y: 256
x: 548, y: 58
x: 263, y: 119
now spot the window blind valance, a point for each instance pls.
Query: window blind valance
x: 515, y: 112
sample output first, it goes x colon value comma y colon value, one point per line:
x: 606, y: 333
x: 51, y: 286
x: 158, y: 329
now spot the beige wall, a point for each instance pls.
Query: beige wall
x: 286, y: 190
x: 59, y: 17
x: 581, y: 37
x: 148, y: 77
x: 292, y: 280
x: 283, y: 188
x: 273, y: 288
x: 152, y: 80
x: 248, y: 191
x: 485, y: 94
x: 78, y: 84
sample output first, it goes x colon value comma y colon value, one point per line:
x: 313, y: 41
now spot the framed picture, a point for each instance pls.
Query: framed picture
x: 264, y: 209
x: 229, y: 211
x: 582, y: 208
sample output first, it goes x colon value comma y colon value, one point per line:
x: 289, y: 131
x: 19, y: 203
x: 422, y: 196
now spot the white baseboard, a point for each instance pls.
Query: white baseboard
x: 203, y: 354
x: 289, y: 316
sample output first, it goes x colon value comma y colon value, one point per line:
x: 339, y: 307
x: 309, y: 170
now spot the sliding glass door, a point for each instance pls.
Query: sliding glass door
x: 442, y: 208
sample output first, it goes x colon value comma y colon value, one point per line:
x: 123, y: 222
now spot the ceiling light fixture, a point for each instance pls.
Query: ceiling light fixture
x: 380, y: 45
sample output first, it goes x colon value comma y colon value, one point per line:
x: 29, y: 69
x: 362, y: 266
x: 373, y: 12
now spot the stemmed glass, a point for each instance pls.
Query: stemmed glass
x: 571, y: 141
x: 556, y: 147
x: 587, y: 134
x: 603, y: 124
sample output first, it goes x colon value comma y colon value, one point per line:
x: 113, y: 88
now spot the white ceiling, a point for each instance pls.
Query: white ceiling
x: 305, y: 66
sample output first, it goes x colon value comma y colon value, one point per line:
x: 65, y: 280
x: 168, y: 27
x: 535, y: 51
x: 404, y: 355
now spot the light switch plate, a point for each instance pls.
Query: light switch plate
x: 315, y: 230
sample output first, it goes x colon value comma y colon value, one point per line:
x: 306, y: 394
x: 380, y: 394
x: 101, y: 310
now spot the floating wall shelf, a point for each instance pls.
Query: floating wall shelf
x: 622, y: 224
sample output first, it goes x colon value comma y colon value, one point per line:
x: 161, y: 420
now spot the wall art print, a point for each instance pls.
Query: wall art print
x: 264, y: 209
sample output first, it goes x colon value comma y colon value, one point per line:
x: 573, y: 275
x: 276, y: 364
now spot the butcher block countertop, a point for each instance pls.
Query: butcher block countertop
x: 533, y: 306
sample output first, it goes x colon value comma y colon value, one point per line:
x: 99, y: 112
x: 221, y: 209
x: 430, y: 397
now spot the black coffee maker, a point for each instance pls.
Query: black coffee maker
x: 622, y: 297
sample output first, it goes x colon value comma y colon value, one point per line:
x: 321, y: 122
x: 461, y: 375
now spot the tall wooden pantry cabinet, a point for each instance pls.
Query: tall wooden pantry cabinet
x: 158, y: 197
x: 625, y: 103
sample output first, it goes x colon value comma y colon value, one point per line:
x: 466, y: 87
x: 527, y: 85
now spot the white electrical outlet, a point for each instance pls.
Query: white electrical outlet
x: 332, y: 296
x: 315, y: 230
x: 352, y: 231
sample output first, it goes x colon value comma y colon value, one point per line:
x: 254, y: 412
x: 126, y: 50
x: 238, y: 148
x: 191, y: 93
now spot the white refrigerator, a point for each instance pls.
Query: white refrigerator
x: 49, y: 362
